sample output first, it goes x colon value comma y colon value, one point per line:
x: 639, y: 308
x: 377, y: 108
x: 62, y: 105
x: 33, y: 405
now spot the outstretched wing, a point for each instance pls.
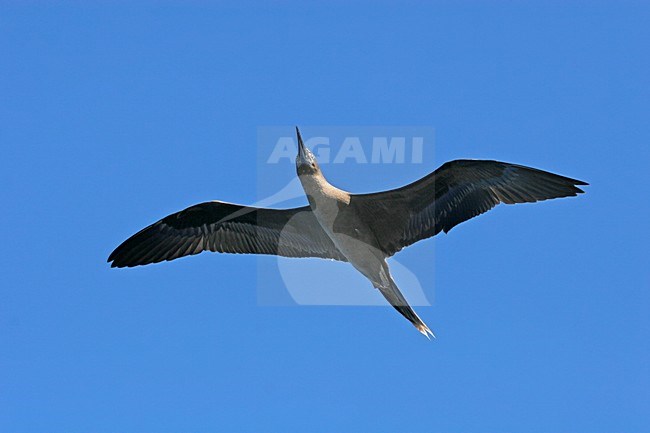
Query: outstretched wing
x: 227, y: 228
x: 455, y: 192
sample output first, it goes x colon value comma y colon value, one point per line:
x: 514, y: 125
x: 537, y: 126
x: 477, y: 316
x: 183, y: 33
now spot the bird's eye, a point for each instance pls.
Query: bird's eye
x: 313, y: 165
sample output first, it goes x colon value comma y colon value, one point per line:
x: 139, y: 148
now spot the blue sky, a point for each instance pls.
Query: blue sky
x: 114, y: 115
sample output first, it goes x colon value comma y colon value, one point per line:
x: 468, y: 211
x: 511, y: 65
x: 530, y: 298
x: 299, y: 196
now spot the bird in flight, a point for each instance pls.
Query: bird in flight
x: 361, y: 229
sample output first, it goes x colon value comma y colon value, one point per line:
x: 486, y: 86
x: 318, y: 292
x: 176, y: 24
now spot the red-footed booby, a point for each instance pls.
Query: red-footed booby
x: 361, y: 229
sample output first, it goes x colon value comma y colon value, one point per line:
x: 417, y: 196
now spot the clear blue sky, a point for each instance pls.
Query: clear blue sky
x: 114, y: 115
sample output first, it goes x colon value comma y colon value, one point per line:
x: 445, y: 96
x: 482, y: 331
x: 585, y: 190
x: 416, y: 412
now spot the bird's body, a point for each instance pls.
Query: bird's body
x: 362, y: 229
x: 346, y: 224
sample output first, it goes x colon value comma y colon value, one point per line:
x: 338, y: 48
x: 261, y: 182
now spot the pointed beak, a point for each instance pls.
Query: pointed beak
x: 301, y: 145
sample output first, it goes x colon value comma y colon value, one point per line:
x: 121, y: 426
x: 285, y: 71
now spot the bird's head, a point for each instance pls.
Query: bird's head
x: 306, y: 164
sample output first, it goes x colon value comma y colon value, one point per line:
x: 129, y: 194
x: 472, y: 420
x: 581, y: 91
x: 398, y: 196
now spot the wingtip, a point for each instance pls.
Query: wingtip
x: 111, y: 259
x: 577, y: 183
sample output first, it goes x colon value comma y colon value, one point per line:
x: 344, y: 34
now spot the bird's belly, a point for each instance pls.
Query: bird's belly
x: 352, y: 238
x: 365, y: 258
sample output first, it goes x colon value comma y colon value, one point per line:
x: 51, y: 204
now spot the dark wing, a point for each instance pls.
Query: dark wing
x: 455, y: 192
x: 227, y: 228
